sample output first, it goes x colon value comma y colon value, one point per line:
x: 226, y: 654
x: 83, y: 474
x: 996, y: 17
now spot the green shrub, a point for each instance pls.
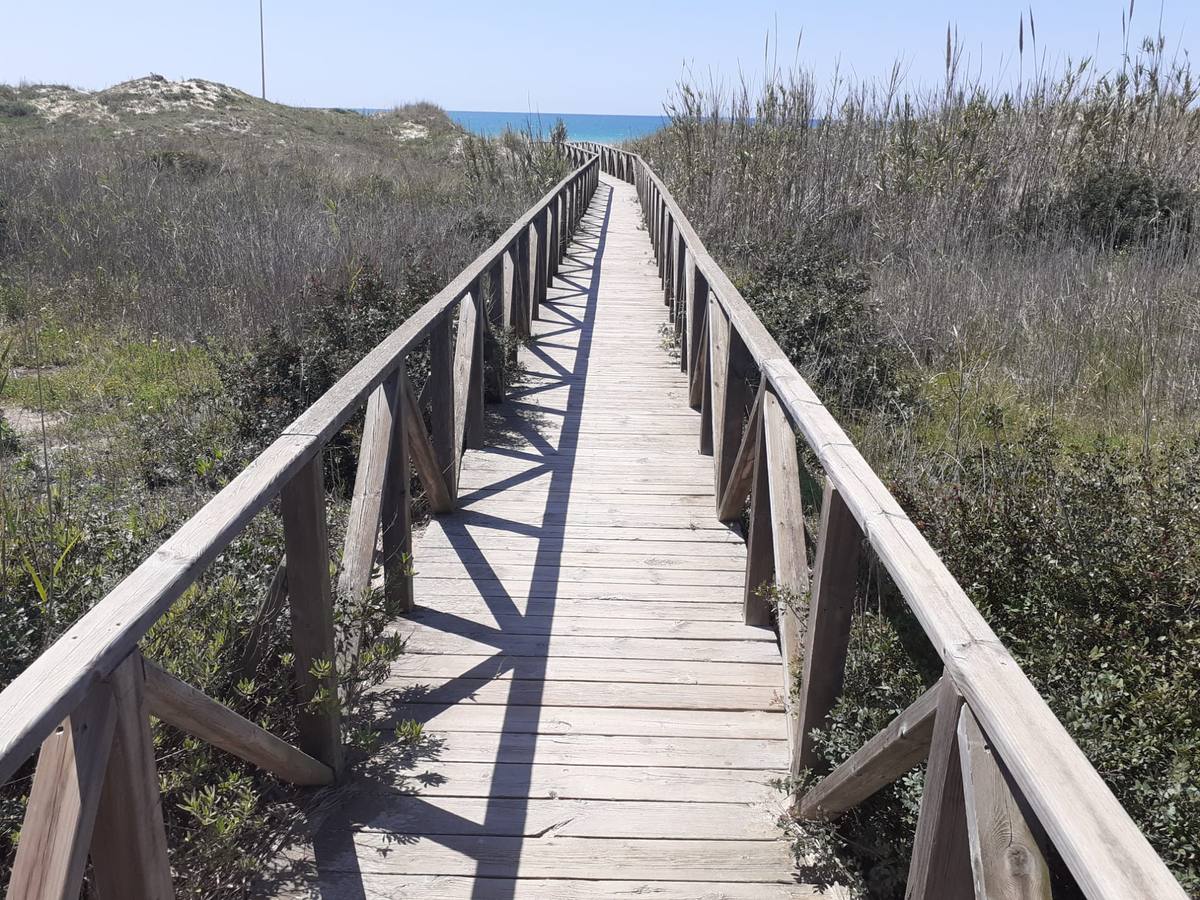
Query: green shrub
x: 188, y: 163
x: 1122, y: 205
x: 817, y: 309
x: 16, y: 109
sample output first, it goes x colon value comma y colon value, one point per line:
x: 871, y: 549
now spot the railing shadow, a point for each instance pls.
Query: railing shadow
x: 369, y: 803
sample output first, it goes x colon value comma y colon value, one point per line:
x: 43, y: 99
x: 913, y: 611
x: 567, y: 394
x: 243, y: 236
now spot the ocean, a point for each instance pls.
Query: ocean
x: 580, y: 126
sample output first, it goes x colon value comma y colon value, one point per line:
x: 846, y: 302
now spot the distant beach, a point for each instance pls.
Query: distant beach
x: 580, y: 126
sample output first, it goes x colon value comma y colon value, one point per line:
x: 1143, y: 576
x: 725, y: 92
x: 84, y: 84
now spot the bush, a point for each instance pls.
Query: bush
x: 818, y: 310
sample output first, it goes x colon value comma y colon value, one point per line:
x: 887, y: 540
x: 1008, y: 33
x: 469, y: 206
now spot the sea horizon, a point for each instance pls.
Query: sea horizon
x: 599, y: 127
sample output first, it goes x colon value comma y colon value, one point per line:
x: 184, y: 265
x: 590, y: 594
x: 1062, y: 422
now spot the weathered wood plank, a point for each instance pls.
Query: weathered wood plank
x: 901, y: 746
x: 302, y: 504
x: 941, y: 862
x: 129, y: 842
x: 827, y: 636
x: 191, y: 710
x: 1005, y: 857
x: 61, y: 810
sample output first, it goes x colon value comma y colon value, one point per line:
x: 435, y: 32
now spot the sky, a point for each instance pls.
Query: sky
x: 534, y: 55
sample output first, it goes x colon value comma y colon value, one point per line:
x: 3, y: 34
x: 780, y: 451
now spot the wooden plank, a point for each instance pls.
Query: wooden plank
x: 442, y: 403
x: 551, y: 856
x: 564, y: 818
x: 464, y: 361
x: 450, y: 887
x: 424, y: 456
x: 484, y: 621
x: 362, y: 528
x: 827, y: 636
x: 396, y: 508
x: 129, y: 842
x: 901, y: 746
x: 631, y: 751
x: 302, y: 504
x: 429, y: 640
x: 1005, y: 857
x: 559, y: 668
x: 605, y: 695
x: 733, y: 500
x: 760, y: 545
x: 755, y: 724
x: 191, y: 710
x: 941, y: 861
x: 61, y: 811
x: 791, y: 557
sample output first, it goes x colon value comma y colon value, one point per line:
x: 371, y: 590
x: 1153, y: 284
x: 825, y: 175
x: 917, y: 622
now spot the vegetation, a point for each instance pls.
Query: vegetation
x: 997, y: 291
x: 183, y: 269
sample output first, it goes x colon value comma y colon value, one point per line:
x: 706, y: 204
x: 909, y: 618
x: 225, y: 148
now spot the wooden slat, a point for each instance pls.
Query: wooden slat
x: 193, y: 711
x: 901, y: 746
x: 61, y: 810
x: 302, y: 503
x: 129, y: 842
x: 1005, y: 857
x: 827, y: 635
x: 941, y: 862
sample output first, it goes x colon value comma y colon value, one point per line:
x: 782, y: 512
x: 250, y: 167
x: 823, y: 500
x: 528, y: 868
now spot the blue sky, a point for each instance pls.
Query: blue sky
x: 610, y: 57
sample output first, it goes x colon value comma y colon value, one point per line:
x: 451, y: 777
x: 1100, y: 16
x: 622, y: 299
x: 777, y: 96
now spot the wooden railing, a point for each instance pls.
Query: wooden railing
x: 86, y: 699
x: 1003, y: 775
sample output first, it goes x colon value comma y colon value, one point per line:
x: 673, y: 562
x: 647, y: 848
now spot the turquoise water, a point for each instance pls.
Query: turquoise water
x: 580, y: 126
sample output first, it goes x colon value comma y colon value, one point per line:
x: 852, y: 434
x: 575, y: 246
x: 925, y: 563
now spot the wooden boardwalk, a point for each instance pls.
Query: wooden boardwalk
x: 598, y: 721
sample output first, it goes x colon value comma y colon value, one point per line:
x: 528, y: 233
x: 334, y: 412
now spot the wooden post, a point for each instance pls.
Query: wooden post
x: 791, y: 556
x: 441, y: 391
x: 61, y: 811
x: 493, y: 303
x: 760, y: 547
x: 129, y: 842
x: 302, y: 501
x: 941, y: 861
x: 698, y: 343
x: 1005, y: 857
x: 362, y: 529
x: 521, y: 290
x: 532, y: 270
x: 827, y: 637
x: 731, y: 396
x: 396, y: 511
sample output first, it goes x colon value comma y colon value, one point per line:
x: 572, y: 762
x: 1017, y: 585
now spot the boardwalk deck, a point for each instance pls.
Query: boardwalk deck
x: 598, y: 720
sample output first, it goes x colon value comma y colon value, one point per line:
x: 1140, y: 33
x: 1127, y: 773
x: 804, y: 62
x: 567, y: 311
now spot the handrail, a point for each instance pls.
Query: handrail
x: 723, y: 344
x: 93, y: 672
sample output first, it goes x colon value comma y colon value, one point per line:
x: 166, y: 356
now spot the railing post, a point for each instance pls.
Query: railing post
x: 396, y: 512
x: 532, y: 271
x: 61, y: 810
x: 444, y: 434
x: 494, y: 304
x: 731, y: 364
x: 310, y: 597
x: 941, y: 861
x: 760, y: 546
x: 473, y: 429
x: 830, y: 609
x: 129, y: 841
x: 697, y: 293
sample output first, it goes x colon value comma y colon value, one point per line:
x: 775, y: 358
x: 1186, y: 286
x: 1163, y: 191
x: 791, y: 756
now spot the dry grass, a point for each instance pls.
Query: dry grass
x: 1040, y: 241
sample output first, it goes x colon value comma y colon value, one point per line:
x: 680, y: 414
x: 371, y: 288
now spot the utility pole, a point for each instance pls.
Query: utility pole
x: 262, y: 48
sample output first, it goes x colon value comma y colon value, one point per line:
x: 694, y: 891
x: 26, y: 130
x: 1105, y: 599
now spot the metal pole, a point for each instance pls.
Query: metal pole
x: 262, y: 49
